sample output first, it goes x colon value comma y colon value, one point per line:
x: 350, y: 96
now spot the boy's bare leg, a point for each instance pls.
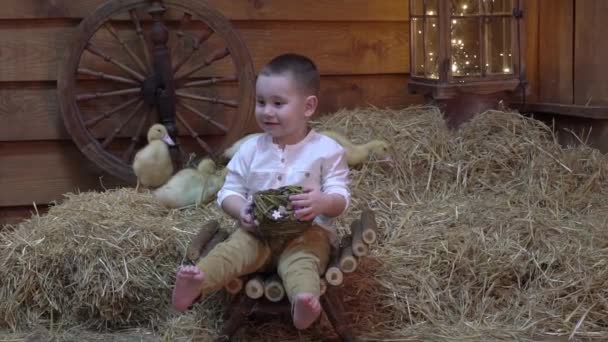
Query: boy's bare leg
x: 306, y: 310
x: 188, y: 283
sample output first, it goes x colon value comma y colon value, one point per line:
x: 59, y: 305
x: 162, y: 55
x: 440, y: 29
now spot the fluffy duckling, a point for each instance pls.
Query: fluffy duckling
x: 191, y: 186
x: 152, y: 164
x: 359, y: 153
x: 231, y: 151
x: 214, y: 179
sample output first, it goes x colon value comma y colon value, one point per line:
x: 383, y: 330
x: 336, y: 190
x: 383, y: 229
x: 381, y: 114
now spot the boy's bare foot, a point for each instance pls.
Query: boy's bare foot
x: 306, y: 310
x: 187, y: 287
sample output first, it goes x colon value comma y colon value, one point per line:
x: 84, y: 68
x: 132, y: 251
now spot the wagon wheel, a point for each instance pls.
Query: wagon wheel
x: 138, y: 62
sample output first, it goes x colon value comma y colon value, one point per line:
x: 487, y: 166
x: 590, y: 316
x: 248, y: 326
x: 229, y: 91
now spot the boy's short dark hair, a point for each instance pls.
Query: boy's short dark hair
x: 303, y: 70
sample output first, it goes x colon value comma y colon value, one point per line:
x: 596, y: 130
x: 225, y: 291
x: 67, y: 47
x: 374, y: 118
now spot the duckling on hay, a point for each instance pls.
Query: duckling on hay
x: 359, y: 153
x: 191, y: 186
x: 152, y: 164
x: 214, y: 179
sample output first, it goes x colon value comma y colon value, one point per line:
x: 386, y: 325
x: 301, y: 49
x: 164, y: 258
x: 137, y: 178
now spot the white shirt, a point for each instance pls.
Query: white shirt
x: 317, y: 161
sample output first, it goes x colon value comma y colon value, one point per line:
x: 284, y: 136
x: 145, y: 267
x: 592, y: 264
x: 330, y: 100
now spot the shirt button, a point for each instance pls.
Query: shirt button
x: 282, y: 160
x: 280, y: 178
x: 307, y: 174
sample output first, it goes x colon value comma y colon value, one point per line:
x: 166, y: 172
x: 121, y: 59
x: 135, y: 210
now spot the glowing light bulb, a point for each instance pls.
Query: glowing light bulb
x: 453, y: 41
x: 507, y: 70
x: 454, y: 21
x: 420, y: 32
x: 464, y: 6
x: 430, y: 13
x: 454, y: 67
x: 430, y: 53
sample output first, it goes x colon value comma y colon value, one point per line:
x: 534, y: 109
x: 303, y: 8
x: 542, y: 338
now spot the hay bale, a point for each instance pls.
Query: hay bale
x: 105, y: 259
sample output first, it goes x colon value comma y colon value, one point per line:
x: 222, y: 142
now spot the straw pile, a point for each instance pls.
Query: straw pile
x: 103, y: 259
x: 492, y: 232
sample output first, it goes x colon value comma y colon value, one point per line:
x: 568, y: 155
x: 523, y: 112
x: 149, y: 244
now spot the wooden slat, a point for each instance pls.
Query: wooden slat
x: 530, y: 37
x: 33, y: 52
x: 555, y: 46
x: 42, y: 171
x: 318, y: 10
x: 590, y: 54
x: 32, y: 113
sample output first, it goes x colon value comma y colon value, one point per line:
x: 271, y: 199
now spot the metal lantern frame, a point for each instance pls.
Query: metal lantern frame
x: 433, y: 22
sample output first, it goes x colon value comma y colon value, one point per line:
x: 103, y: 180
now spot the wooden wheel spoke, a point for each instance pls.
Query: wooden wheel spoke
x: 130, y: 52
x: 97, y: 52
x: 135, y: 138
x: 229, y: 103
x: 90, y: 96
x: 95, y: 120
x: 142, y: 39
x: 203, y: 116
x: 180, y: 33
x: 209, y: 81
x: 122, y: 125
x: 197, y: 44
x: 104, y: 76
x: 218, y: 55
x: 193, y: 133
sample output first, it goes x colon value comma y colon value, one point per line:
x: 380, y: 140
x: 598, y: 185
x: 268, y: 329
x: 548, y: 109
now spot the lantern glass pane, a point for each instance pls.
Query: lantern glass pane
x: 497, y: 6
x: 431, y: 41
x: 418, y: 46
x: 465, y: 48
x: 465, y: 7
x: 498, y: 46
x: 423, y: 7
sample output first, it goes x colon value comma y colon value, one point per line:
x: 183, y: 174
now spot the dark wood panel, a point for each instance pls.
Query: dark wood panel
x: 530, y: 37
x: 34, y: 52
x: 32, y: 112
x: 331, y: 10
x: 14, y: 215
x: 555, y: 51
x: 590, y: 54
x: 40, y: 172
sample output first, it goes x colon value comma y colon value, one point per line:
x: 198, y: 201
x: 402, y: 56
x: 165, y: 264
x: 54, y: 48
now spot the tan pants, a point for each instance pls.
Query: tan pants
x: 299, y: 264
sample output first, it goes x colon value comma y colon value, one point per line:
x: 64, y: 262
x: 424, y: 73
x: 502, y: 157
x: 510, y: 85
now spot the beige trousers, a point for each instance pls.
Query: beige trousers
x: 299, y: 264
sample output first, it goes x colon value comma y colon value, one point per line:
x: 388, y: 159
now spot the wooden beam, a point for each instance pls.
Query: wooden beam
x: 590, y: 54
x: 31, y: 112
x: 318, y: 10
x: 556, y: 51
x: 34, y: 52
x: 591, y: 112
x: 40, y: 172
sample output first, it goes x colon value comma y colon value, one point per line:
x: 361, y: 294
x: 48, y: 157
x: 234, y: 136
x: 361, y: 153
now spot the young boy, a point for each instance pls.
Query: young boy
x: 287, y: 153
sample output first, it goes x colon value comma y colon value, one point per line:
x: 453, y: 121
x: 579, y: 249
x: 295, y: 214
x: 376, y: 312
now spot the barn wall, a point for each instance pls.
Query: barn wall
x: 360, y: 46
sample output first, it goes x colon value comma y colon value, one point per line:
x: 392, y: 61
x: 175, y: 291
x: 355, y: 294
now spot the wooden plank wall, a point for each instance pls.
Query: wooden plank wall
x: 360, y: 46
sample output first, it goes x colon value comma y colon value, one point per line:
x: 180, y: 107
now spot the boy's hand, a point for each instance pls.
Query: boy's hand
x: 246, y: 217
x: 308, y: 204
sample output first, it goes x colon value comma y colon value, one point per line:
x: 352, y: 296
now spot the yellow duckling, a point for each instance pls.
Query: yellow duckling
x: 191, y: 186
x: 152, y: 164
x: 231, y: 151
x: 214, y: 179
x: 359, y: 153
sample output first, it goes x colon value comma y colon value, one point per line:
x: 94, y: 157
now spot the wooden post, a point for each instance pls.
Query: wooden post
x: 236, y: 314
x: 234, y: 286
x: 359, y: 247
x: 205, y: 234
x: 255, y: 287
x: 219, y: 236
x: 333, y: 274
x: 348, y: 263
x: 370, y: 228
x: 333, y: 306
x: 273, y: 289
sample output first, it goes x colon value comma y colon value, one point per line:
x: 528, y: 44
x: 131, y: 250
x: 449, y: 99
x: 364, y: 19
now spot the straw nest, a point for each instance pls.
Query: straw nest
x: 491, y: 232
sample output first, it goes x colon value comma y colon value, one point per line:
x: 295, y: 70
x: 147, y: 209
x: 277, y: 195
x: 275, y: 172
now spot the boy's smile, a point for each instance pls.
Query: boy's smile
x: 282, y: 109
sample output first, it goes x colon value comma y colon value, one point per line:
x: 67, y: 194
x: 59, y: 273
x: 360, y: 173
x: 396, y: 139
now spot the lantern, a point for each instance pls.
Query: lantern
x: 465, y: 46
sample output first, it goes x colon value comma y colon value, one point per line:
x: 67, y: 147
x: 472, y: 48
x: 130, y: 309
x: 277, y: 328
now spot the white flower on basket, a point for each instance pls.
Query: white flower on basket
x: 276, y: 215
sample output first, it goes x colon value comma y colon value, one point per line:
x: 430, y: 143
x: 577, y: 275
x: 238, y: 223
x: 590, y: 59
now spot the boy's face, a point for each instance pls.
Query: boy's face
x: 282, y: 109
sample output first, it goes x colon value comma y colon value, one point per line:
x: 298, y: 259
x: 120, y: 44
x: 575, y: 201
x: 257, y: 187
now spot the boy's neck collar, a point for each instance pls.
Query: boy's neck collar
x: 309, y: 132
